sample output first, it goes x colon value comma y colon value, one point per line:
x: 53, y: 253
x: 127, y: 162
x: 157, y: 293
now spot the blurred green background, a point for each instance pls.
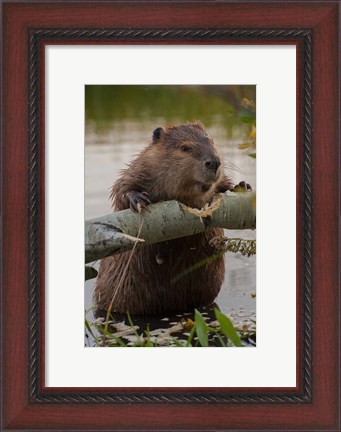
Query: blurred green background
x: 210, y: 104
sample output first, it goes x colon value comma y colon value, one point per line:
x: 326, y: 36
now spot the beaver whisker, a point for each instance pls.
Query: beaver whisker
x: 233, y: 167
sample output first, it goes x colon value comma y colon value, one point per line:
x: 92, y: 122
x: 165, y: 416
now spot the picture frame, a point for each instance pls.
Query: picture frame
x: 27, y: 403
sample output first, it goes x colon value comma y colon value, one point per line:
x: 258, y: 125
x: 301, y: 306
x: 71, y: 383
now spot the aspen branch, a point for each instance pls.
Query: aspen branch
x: 117, y: 232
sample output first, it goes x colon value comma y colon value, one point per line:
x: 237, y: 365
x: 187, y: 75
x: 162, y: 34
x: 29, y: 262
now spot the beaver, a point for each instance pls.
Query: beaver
x: 180, y: 163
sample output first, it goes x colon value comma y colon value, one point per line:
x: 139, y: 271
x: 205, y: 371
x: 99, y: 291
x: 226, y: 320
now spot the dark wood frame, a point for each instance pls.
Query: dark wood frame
x: 27, y: 403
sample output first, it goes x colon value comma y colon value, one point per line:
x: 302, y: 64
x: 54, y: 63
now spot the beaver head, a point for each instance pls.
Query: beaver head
x: 180, y: 163
x: 189, y: 160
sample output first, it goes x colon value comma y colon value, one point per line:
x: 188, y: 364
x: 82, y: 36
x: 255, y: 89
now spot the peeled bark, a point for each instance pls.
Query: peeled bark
x: 119, y: 231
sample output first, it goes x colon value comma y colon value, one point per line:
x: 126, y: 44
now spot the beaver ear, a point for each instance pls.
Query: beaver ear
x: 199, y: 125
x: 158, y: 134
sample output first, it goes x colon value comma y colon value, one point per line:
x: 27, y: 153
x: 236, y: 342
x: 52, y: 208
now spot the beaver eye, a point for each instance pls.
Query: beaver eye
x: 185, y: 148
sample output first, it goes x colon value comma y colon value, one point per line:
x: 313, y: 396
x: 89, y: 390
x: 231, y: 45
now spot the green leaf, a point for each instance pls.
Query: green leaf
x: 247, y: 117
x: 104, y: 332
x: 119, y: 341
x: 253, y: 155
x: 133, y: 326
x: 245, y: 145
x: 201, y: 328
x: 222, y: 343
x: 227, y: 328
x: 190, y: 337
x: 87, y: 325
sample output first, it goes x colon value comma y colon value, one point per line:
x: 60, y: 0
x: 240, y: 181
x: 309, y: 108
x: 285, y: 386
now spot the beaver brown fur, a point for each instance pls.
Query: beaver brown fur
x: 180, y: 163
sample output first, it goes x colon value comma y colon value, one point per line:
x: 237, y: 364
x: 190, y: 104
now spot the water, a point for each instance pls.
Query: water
x: 111, y: 143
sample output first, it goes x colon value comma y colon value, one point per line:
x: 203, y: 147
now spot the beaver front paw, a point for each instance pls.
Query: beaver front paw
x: 138, y: 201
x: 242, y: 187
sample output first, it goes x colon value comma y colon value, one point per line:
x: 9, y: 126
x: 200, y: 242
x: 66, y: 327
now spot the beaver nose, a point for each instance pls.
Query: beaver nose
x: 213, y: 163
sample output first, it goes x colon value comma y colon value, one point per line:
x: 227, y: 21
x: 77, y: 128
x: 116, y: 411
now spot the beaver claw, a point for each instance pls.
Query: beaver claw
x: 242, y: 187
x: 138, y: 201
